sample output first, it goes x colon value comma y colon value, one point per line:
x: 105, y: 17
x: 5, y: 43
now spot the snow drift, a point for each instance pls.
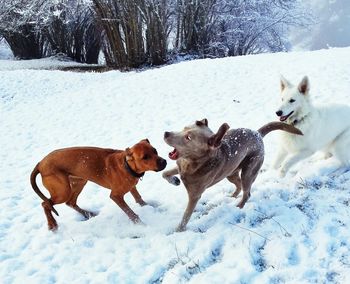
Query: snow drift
x: 292, y: 230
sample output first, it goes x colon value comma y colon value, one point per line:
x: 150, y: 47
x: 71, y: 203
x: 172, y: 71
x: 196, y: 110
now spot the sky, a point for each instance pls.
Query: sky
x: 331, y: 28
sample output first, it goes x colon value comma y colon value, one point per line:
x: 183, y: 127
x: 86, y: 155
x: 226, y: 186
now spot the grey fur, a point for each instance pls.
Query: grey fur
x: 205, y: 158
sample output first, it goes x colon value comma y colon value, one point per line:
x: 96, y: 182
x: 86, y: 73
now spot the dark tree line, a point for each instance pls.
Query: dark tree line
x: 134, y: 33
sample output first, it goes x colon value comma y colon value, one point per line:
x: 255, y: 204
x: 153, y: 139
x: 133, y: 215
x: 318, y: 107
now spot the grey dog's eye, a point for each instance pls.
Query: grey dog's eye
x: 291, y: 100
x: 188, y: 137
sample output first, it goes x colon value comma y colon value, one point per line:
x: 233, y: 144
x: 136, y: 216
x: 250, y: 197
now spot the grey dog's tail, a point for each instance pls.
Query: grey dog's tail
x: 35, y: 172
x: 276, y: 125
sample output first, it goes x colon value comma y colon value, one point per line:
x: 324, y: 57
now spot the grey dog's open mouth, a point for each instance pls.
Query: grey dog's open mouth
x: 174, y: 155
x: 284, y: 117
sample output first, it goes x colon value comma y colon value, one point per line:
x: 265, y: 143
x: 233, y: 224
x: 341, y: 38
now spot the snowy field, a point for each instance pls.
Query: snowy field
x: 292, y: 230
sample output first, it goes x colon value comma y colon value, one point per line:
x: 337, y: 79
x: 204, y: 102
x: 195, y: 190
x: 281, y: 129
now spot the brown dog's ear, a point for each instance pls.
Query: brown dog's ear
x: 203, y: 122
x: 129, y: 156
x: 146, y: 140
x: 215, y: 140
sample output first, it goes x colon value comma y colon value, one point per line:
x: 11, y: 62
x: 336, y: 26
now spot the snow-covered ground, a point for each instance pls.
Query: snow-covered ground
x: 48, y: 63
x: 292, y: 230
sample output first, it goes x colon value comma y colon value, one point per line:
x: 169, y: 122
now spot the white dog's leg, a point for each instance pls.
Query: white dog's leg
x: 281, y: 155
x: 327, y: 154
x: 328, y: 151
x: 341, y: 148
x: 291, y: 160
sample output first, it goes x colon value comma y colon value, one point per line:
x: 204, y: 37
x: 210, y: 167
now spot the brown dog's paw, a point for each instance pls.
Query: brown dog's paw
x: 153, y: 203
x: 88, y: 214
x: 52, y: 227
x: 137, y: 220
x: 142, y: 202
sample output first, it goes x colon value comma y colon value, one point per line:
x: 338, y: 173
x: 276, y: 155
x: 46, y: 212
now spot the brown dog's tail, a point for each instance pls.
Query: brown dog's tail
x: 276, y: 125
x: 35, y: 172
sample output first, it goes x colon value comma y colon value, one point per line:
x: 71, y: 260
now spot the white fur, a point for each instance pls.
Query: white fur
x: 325, y: 128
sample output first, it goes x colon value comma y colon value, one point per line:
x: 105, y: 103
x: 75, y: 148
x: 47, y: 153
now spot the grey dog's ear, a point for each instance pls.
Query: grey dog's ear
x: 215, y: 140
x: 203, y: 122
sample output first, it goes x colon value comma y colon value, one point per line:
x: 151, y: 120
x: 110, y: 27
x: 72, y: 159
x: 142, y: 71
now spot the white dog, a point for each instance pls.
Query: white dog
x: 325, y: 128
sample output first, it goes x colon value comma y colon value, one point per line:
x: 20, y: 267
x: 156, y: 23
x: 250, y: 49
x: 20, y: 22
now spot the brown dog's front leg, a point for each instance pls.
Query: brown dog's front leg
x: 119, y: 199
x: 137, y: 197
x: 170, y: 176
x: 192, y: 202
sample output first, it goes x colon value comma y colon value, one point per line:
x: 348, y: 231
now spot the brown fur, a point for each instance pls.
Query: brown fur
x: 65, y: 172
x: 205, y: 158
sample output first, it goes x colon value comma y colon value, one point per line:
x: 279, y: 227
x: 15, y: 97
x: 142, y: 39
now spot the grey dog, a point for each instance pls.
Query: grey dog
x: 204, y: 158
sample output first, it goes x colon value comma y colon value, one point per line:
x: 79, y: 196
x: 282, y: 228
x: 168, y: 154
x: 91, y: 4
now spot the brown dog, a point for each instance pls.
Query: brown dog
x: 66, y: 171
x: 204, y: 158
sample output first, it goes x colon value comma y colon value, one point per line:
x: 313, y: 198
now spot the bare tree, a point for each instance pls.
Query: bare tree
x: 248, y: 26
x: 39, y: 28
x: 132, y: 33
x: 18, y: 25
x: 122, y: 42
x: 156, y: 17
x: 70, y: 28
x: 195, y: 24
x: 135, y: 32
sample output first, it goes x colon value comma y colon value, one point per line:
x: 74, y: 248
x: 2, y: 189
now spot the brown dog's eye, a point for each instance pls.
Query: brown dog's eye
x: 145, y: 157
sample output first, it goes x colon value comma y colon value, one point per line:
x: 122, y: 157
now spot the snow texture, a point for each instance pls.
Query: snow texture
x: 292, y: 230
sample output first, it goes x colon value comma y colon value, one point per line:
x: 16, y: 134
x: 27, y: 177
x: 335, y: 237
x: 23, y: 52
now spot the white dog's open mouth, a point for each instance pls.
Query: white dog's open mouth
x: 284, y: 117
x: 174, y: 155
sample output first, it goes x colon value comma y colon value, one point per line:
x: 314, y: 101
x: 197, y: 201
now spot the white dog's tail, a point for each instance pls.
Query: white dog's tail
x: 276, y: 125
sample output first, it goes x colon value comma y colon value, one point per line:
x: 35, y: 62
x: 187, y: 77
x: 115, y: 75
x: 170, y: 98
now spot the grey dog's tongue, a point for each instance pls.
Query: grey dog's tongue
x: 173, y: 155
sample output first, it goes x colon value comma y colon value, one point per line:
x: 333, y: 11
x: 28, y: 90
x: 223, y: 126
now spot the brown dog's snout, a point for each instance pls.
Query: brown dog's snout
x: 166, y: 134
x: 161, y: 164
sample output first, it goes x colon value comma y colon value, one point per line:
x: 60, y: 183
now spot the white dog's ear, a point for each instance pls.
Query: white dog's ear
x: 284, y: 83
x: 304, y: 86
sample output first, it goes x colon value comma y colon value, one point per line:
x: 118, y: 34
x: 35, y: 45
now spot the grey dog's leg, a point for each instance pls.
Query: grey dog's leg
x: 192, y: 202
x: 249, y: 173
x: 170, y: 176
x: 236, y: 180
